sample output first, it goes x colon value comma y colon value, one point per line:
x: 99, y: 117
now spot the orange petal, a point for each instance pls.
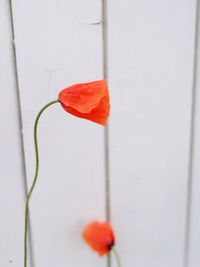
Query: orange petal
x: 87, y: 100
x: 99, y: 236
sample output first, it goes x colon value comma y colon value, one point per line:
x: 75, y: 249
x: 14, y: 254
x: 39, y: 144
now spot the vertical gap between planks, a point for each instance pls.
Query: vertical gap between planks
x: 20, y: 124
x: 191, y: 152
x: 106, y: 131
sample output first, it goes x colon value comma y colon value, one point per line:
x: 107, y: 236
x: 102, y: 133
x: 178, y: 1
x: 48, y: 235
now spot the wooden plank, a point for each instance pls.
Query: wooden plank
x: 150, y: 47
x: 194, y: 212
x: 59, y: 43
x: 12, y: 190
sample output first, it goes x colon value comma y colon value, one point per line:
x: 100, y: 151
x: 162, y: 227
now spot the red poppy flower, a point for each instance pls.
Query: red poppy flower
x: 99, y: 236
x: 87, y: 100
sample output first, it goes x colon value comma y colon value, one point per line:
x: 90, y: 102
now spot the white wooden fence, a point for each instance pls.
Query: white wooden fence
x: 143, y: 172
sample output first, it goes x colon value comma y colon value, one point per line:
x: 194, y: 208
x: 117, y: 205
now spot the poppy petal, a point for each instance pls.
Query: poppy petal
x: 87, y: 100
x: 99, y: 236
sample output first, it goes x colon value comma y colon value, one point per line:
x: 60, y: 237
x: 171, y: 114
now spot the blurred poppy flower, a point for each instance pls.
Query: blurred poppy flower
x: 87, y: 100
x: 99, y: 236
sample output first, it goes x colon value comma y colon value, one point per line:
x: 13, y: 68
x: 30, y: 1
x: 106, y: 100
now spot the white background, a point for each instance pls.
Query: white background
x: 143, y: 172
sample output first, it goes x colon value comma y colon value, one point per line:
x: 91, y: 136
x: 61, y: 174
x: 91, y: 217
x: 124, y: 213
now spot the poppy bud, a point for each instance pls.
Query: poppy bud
x: 87, y: 100
x: 99, y: 236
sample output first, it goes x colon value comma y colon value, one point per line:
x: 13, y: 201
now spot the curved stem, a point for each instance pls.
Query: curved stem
x: 117, y: 257
x: 35, y: 177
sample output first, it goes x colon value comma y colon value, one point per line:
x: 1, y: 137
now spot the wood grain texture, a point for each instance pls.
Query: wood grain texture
x: 59, y: 43
x: 150, y: 48
x: 12, y: 190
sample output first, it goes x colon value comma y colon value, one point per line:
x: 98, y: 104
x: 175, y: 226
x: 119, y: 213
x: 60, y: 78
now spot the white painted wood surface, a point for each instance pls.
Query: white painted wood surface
x: 150, y: 72
x: 12, y: 193
x: 150, y: 78
x: 194, y: 219
x: 56, y: 47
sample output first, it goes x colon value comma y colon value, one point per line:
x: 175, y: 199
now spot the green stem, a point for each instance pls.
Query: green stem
x: 35, y: 177
x: 117, y: 257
